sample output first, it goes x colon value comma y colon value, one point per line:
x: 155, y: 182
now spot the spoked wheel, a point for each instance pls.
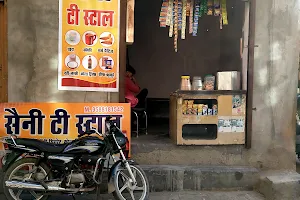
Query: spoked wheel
x: 24, y: 170
x: 126, y: 189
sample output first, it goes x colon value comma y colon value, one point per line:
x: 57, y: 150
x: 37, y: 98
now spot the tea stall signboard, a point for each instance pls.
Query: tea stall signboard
x: 89, y: 45
x: 60, y: 122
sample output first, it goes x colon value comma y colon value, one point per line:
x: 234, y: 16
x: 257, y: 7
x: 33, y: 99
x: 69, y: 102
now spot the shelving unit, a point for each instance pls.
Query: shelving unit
x: 226, y: 127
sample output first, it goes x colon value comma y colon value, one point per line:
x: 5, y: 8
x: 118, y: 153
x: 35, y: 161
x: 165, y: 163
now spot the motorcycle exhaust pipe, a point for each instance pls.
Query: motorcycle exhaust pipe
x: 32, y: 186
x: 38, y: 187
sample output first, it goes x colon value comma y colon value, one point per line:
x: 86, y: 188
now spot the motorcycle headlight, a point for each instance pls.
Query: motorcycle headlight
x: 121, y: 141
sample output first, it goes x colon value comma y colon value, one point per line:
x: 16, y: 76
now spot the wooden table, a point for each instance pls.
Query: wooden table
x: 228, y: 123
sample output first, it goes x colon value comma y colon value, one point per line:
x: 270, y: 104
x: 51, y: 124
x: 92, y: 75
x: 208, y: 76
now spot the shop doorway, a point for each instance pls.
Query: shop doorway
x: 3, y: 52
x: 159, y: 67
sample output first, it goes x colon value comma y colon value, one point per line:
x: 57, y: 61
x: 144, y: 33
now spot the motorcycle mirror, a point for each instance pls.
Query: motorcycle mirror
x: 108, y: 118
x: 91, y: 131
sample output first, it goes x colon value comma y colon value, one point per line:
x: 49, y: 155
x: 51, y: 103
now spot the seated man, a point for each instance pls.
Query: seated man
x: 133, y: 93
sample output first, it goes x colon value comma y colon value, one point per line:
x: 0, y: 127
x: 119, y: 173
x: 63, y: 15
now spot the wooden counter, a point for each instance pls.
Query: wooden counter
x: 227, y: 126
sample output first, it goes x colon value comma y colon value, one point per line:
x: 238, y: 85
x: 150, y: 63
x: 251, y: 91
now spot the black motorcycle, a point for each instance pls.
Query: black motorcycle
x: 35, y: 169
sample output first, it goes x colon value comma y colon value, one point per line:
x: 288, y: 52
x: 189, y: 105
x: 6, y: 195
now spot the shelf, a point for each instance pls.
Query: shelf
x: 210, y: 92
x: 199, y: 119
x: 222, y: 139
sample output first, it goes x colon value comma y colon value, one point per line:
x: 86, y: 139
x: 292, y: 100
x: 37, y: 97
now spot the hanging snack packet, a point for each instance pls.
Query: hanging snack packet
x: 163, y: 13
x: 217, y: 7
x: 172, y: 15
x: 176, y: 26
x: 210, y: 7
x: 191, y: 16
x: 179, y: 15
x: 184, y: 5
x: 224, y: 12
x: 196, y: 17
x: 204, y: 2
x: 169, y: 13
x: 201, y: 13
x: 188, y: 7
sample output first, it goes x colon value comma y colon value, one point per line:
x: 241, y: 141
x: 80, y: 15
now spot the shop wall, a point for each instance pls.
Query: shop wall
x: 158, y: 66
x: 275, y: 78
x: 32, y: 55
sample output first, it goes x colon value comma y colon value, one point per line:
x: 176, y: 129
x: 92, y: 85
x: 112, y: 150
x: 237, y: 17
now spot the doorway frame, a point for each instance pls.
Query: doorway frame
x: 250, y: 73
x: 250, y: 65
x: 122, y: 50
x: 3, y: 52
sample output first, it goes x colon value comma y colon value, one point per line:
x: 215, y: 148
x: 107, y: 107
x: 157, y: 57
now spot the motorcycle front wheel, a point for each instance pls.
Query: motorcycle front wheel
x: 20, y: 171
x: 126, y: 190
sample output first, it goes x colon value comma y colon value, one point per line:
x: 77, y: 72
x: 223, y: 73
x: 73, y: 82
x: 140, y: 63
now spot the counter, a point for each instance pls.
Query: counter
x: 189, y: 125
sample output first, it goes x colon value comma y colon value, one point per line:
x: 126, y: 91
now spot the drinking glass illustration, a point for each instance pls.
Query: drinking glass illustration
x: 90, y: 38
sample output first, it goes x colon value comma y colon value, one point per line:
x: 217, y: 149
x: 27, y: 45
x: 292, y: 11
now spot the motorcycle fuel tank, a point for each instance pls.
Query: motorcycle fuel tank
x: 85, y: 145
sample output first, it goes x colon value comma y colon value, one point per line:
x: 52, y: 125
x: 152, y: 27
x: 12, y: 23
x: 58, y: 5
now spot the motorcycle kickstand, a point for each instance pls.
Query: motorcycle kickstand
x: 73, y: 197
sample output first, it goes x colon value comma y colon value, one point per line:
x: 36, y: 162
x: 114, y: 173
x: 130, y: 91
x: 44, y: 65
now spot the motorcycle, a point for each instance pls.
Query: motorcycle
x: 35, y: 169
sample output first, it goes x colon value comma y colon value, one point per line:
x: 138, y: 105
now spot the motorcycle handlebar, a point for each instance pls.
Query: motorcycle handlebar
x: 109, y: 119
x: 90, y: 132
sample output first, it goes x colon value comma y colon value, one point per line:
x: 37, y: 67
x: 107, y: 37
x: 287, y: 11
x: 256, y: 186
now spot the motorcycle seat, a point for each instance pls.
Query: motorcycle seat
x: 41, y: 145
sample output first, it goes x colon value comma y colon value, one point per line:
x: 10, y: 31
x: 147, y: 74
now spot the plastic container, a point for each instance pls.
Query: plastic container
x: 197, y: 83
x: 185, y: 83
x: 209, y: 82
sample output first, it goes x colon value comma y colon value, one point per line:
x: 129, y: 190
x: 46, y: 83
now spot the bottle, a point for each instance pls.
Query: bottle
x: 185, y: 83
x: 90, y: 62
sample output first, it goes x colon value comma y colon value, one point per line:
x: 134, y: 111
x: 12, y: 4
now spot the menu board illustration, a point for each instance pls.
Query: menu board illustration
x: 89, y: 45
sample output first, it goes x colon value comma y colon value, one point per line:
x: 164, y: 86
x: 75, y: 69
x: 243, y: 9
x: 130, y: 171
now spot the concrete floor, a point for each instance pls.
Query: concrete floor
x: 242, y: 195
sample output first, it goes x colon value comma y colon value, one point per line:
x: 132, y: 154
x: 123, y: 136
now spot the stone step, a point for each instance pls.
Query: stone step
x: 160, y: 150
x: 179, y: 178
x: 280, y: 186
x: 196, y: 178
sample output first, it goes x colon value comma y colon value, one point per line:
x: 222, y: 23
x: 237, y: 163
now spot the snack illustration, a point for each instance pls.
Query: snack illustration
x: 106, y: 63
x: 107, y: 39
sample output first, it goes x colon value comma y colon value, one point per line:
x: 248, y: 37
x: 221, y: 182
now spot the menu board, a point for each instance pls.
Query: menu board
x: 89, y: 45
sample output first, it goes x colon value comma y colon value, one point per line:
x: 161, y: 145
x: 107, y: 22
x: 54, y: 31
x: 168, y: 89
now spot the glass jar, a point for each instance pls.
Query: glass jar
x: 185, y: 83
x: 209, y: 82
x: 197, y: 83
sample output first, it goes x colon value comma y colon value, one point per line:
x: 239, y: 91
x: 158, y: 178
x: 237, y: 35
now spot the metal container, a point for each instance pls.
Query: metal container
x: 197, y: 83
x: 230, y: 80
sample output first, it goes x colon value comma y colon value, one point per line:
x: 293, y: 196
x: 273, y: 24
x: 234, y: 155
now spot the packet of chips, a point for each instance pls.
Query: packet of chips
x: 217, y: 7
x: 210, y: 7
x: 224, y: 12
x: 164, y: 13
x: 176, y: 26
x: 191, y: 17
x: 183, y: 28
x: 196, y: 17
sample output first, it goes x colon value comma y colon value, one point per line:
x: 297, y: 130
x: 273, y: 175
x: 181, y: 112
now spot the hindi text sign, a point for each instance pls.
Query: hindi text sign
x: 88, y: 45
x: 60, y: 122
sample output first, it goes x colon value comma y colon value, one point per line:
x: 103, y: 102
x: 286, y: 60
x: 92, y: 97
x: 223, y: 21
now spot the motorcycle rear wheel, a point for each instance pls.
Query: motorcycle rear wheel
x: 125, y: 191
x: 15, y: 167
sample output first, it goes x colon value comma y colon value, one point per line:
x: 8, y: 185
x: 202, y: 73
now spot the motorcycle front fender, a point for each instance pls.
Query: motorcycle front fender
x: 113, y: 171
